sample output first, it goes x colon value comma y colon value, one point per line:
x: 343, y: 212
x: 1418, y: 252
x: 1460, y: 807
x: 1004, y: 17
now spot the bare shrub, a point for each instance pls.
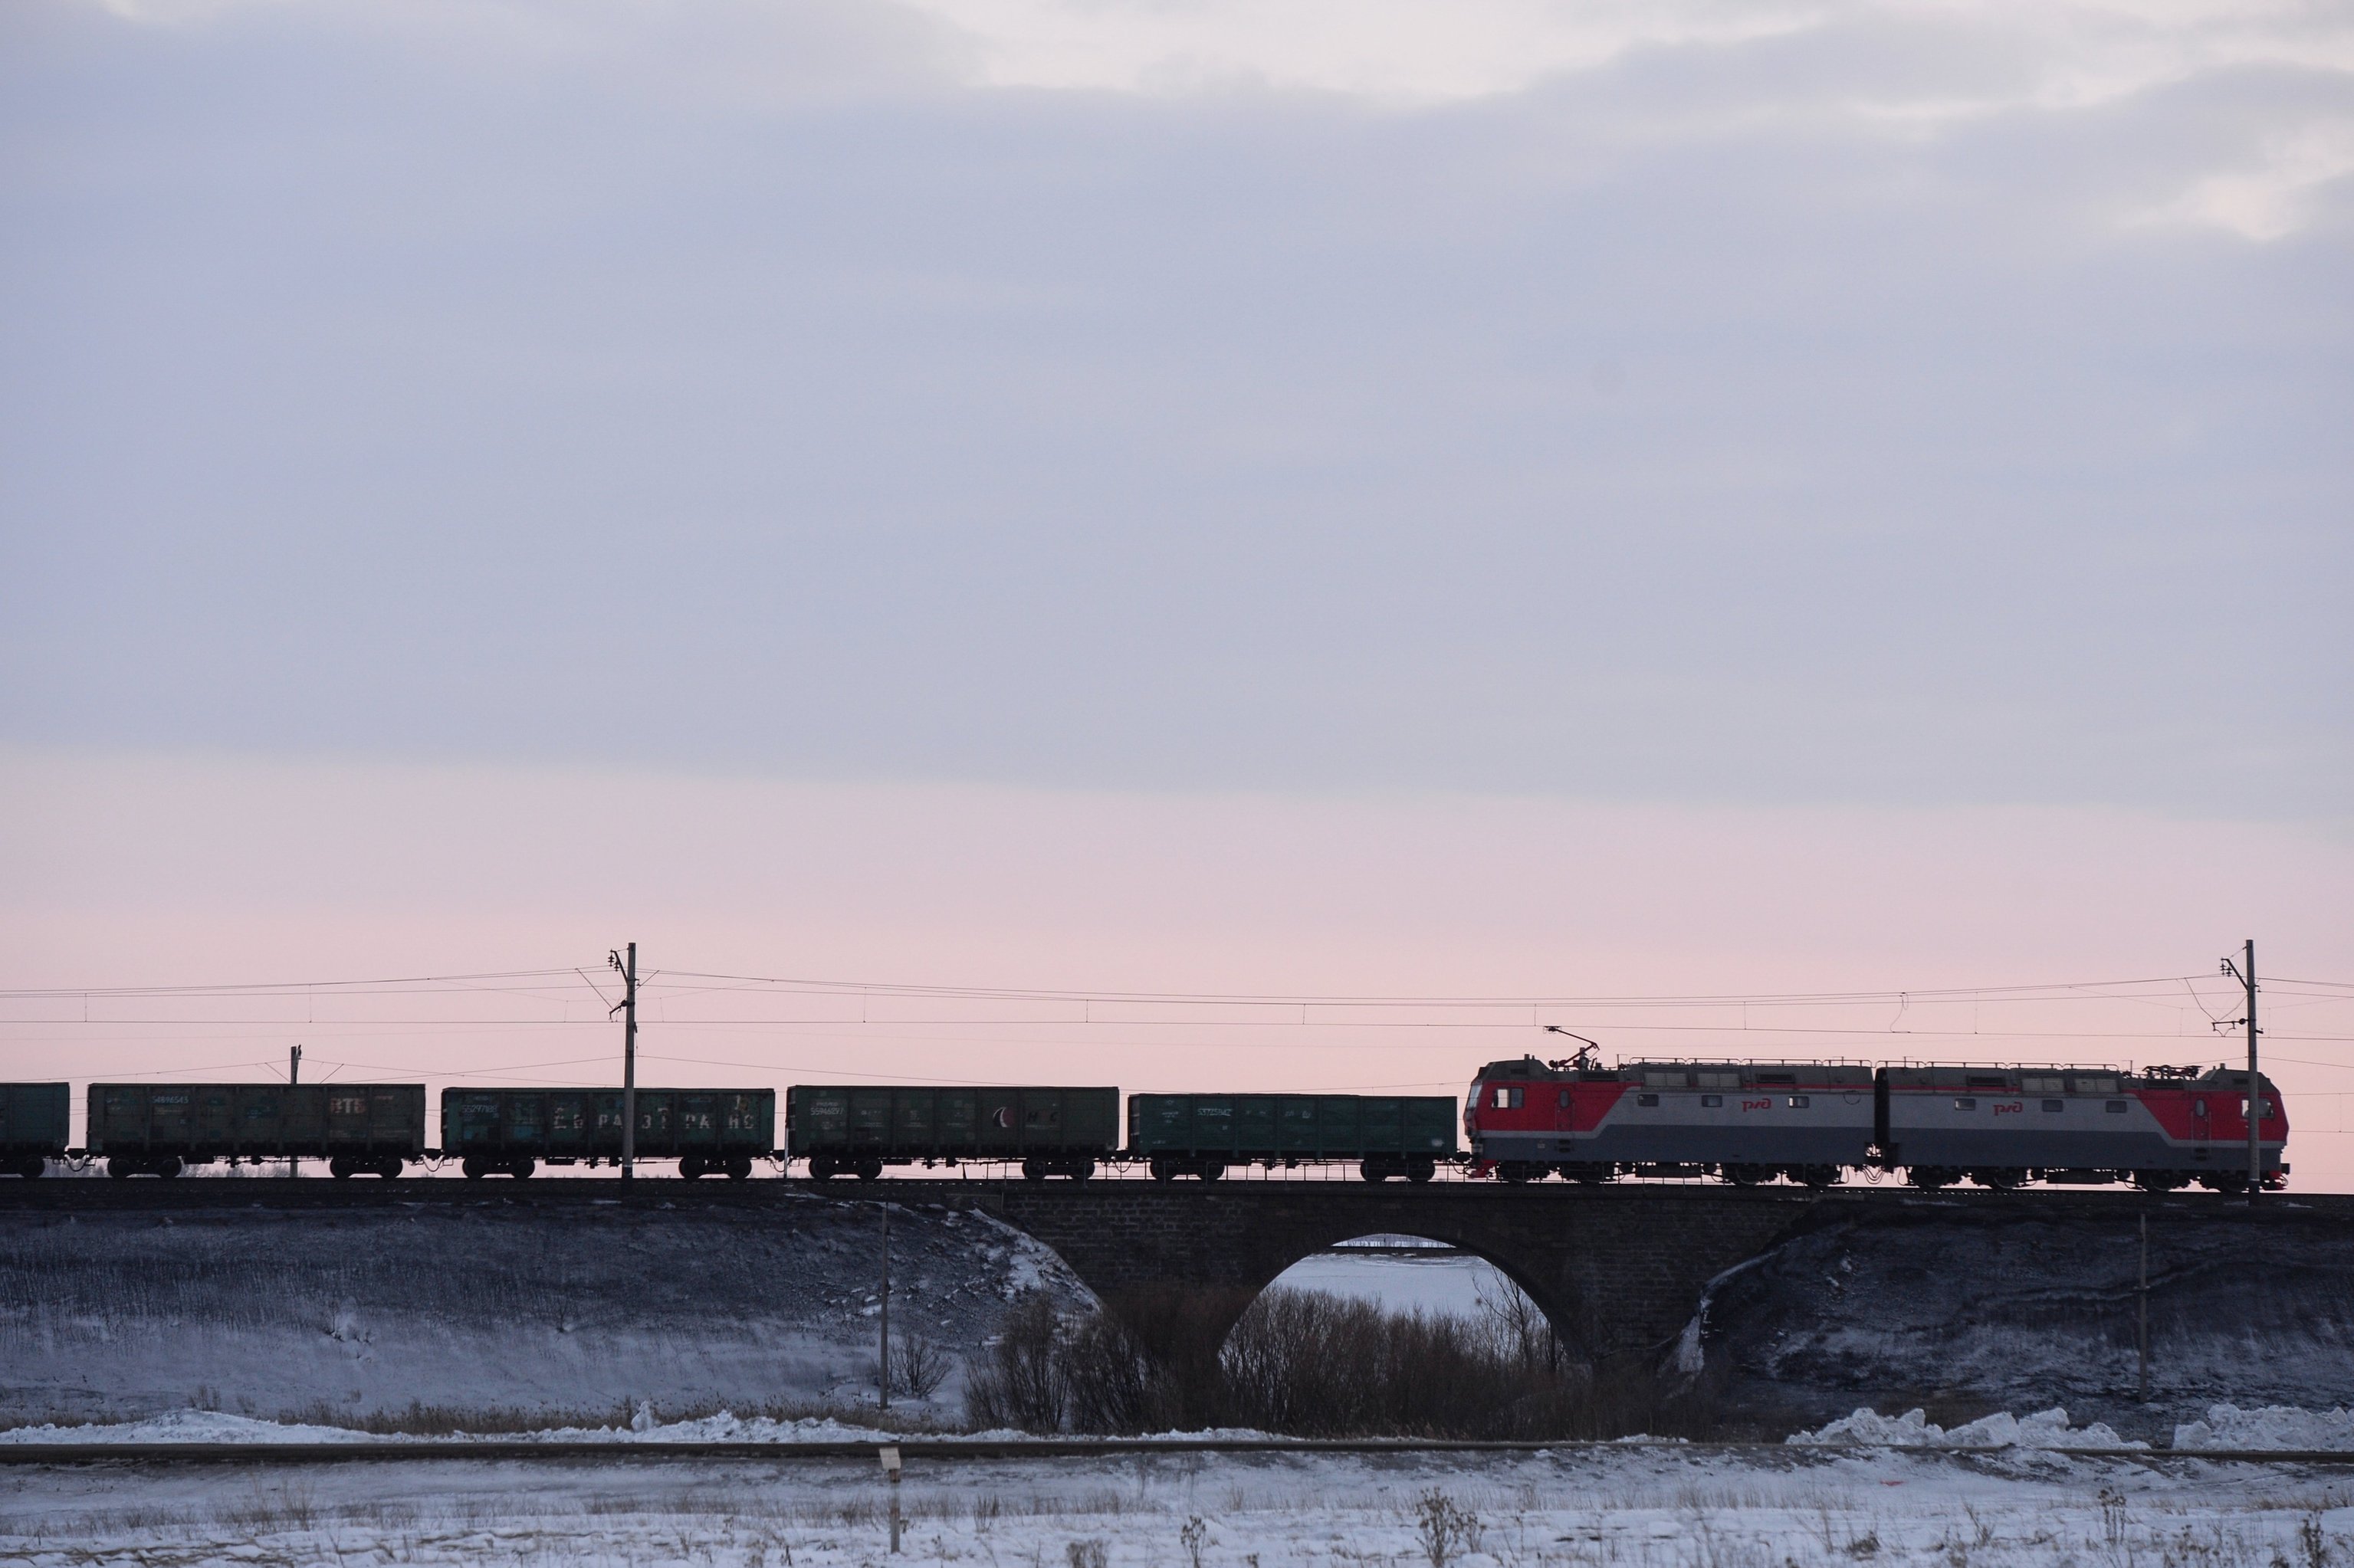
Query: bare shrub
x: 1444, y: 1529
x: 917, y: 1365
x: 1087, y: 1554
x: 1023, y: 1379
x: 1315, y: 1365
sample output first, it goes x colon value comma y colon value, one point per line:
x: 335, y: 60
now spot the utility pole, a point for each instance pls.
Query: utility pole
x: 293, y: 1076
x: 885, y: 1321
x: 2141, y: 1333
x: 628, y: 1008
x: 2246, y: 974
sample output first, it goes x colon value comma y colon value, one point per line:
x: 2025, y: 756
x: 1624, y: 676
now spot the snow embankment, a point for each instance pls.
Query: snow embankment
x: 1914, y: 1429
x: 2276, y: 1426
x: 220, y: 1426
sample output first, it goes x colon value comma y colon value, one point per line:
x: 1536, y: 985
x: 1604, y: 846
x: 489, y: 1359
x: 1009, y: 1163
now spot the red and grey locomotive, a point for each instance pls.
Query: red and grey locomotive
x: 1753, y: 1122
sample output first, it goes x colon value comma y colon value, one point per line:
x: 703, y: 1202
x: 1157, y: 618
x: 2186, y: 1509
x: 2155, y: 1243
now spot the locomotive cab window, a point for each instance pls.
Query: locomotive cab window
x: 1647, y: 1099
x: 2055, y: 1104
x: 1712, y: 1100
x: 1506, y: 1099
x: 2114, y: 1108
x: 1800, y: 1102
x: 1966, y: 1104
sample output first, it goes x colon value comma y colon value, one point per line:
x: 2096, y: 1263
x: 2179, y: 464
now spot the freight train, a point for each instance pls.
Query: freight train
x: 1524, y: 1120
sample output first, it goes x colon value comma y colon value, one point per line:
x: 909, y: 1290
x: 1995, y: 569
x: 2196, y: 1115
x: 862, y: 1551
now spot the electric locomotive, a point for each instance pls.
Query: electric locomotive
x: 1748, y: 1122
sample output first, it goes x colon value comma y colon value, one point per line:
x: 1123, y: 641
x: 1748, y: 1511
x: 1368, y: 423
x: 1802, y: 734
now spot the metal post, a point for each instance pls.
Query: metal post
x: 628, y: 1011
x: 891, y: 1468
x: 2141, y: 1333
x: 2255, y: 1097
x: 884, y: 1380
x: 293, y: 1076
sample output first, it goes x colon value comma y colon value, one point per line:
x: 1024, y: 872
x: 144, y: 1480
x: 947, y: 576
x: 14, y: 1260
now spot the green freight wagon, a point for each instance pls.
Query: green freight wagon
x: 1200, y: 1135
x: 33, y: 1125
x: 154, y: 1130
x: 511, y: 1131
x: 857, y: 1130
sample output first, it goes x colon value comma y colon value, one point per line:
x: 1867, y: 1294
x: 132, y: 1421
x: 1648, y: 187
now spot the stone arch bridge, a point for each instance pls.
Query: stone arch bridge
x: 1616, y: 1269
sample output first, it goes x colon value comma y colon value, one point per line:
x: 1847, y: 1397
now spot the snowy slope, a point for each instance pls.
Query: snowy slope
x: 1972, y: 1308
x: 479, y: 1307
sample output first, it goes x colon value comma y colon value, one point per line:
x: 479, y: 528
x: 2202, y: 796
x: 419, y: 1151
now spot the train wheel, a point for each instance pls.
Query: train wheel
x: 33, y: 1168
x: 2159, y: 1181
x: 739, y: 1169
x: 522, y: 1166
x: 340, y: 1168
x: 1420, y: 1171
x: 475, y: 1167
x: 388, y: 1167
x: 870, y: 1170
x: 1372, y: 1172
x: 1929, y: 1178
x: 1998, y: 1181
x: 1161, y: 1169
x: 1745, y: 1175
x: 1212, y: 1171
x: 1817, y: 1177
x: 1080, y: 1169
x: 1517, y: 1172
x: 690, y: 1166
x: 167, y: 1167
x: 2224, y: 1181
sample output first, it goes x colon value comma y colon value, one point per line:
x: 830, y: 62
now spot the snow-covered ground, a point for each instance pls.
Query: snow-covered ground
x: 1401, y: 1279
x: 475, y: 1306
x: 1647, y: 1507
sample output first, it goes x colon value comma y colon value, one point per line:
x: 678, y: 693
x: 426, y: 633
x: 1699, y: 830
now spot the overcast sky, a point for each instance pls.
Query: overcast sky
x: 1489, y: 497
x: 1784, y: 402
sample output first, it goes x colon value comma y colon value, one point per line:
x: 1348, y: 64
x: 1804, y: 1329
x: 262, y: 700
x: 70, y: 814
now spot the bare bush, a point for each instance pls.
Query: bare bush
x: 1444, y: 1529
x: 918, y: 1366
x: 1023, y: 1380
x: 1316, y: 1365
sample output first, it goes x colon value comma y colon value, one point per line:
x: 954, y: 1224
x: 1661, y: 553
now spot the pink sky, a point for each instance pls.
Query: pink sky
x: 161, y: 869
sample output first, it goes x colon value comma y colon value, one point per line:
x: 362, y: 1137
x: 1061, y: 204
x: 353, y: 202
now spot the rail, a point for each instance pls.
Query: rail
x: 437, y: 1450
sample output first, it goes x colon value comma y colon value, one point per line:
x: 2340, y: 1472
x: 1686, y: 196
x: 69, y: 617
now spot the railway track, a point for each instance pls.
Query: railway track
x: 479, y: 1450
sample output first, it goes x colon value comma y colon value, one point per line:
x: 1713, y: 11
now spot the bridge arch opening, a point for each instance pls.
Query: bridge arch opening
x: 1400, y: 1272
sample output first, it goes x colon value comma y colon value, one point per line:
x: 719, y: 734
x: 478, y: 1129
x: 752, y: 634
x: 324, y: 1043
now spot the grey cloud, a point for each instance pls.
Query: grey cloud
x: 1642, y: 435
